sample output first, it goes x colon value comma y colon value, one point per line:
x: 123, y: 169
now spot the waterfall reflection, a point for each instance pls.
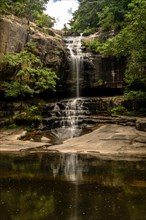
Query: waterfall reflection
x: 70, y: 165
x: 71, y: 187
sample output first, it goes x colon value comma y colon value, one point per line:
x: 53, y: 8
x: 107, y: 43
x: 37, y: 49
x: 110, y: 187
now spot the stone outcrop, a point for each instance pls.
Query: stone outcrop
x: 16, y: 34
x: 141, y: 124
x: 107, y: 141
x: 49, y: 44
x: 87, y: 111
x: 13, y: 34
x: 97, y: 72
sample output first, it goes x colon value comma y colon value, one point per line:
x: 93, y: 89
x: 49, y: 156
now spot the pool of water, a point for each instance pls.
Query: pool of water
x: 40, y: 186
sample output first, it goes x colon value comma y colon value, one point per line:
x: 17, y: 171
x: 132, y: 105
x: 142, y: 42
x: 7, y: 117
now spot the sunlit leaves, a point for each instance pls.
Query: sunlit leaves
x: 94, y: 45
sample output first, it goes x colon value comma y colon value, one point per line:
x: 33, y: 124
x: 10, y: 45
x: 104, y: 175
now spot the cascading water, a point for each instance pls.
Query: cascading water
x: 67, y: 118
x: 76, y: 59
x: 71, y: 112
x: 70, y: 119
x: 73, y: 108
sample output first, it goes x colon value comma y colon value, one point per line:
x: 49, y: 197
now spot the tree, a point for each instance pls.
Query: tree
x: 131, y: 42
x: 93, y: 14
x: 31, y: 77
x: 86, y: 17
x: 44, y: 20
x: 33, y: 10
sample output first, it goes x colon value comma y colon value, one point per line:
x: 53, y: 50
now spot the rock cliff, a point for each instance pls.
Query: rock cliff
x: 97, y: 75
x: 17, y: 33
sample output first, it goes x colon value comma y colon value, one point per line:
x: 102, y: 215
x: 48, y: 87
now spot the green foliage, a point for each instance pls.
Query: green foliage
x: 89, y: 31
x: 32, y: 110
x: 16, y: 89
x: 4, y: 6
x: 11, y: 126
x: 135, y: 83
x: 93, y: 44
x: 131, y: 42
x: 100, y: 82
x: 119, y: 110
x: 31, y: 77
x: 135, y: 95
x: 85, y: 17
x: 141, y: 112
x: 106, y: 18
x: 33, y: 10
x: 30, y: 115
x: 93, y: 14
x: 122, y: 110
x: 44, y: 20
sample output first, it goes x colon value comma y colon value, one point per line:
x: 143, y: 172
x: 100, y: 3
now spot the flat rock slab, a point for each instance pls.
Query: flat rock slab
x: 107, y: 140
x: 9, y: 141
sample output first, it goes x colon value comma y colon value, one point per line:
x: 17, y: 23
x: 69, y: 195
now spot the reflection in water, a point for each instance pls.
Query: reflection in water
x: 71, y: 187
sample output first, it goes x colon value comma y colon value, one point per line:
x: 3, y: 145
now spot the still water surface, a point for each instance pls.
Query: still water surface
x: 42, y: 186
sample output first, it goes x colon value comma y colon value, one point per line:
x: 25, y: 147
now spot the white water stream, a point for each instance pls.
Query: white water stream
x: 73, y: 106
x: 70, y: 119
x: 76, y: 56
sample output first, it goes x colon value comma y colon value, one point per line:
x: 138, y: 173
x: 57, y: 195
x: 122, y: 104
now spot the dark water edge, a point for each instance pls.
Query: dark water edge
x: 71, y: 187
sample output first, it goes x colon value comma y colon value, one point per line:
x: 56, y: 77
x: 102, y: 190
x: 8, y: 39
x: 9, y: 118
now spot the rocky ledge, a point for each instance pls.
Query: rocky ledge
x: 107, y: 141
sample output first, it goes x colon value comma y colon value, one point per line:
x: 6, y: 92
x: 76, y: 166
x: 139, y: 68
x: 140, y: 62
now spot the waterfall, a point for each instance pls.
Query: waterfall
x: 76, y: 59
x: 73, y: 108
x: 67, y: 117
x: 70, y: 119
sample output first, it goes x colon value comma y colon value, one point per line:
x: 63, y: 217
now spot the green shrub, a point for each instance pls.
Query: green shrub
x: 93, y: 44
x: 135, y: 95
x: 119, y: 110
x: 31, y: 76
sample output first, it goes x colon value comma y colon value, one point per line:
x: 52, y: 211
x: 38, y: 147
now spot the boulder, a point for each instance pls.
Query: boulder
x: 141, y: 124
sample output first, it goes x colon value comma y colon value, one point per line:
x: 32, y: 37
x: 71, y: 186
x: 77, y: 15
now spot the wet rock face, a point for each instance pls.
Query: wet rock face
x: 16, y: 33
x: 109, y: 72
x: 95, y: 71
x: 81, y: 113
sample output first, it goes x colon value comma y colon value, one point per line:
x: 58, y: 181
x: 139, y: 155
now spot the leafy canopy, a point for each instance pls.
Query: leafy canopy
x: 93, y: 14
x: 31, y: 77
x: 33, y: 10
x: 127, y: 20
x: 131, y: 42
